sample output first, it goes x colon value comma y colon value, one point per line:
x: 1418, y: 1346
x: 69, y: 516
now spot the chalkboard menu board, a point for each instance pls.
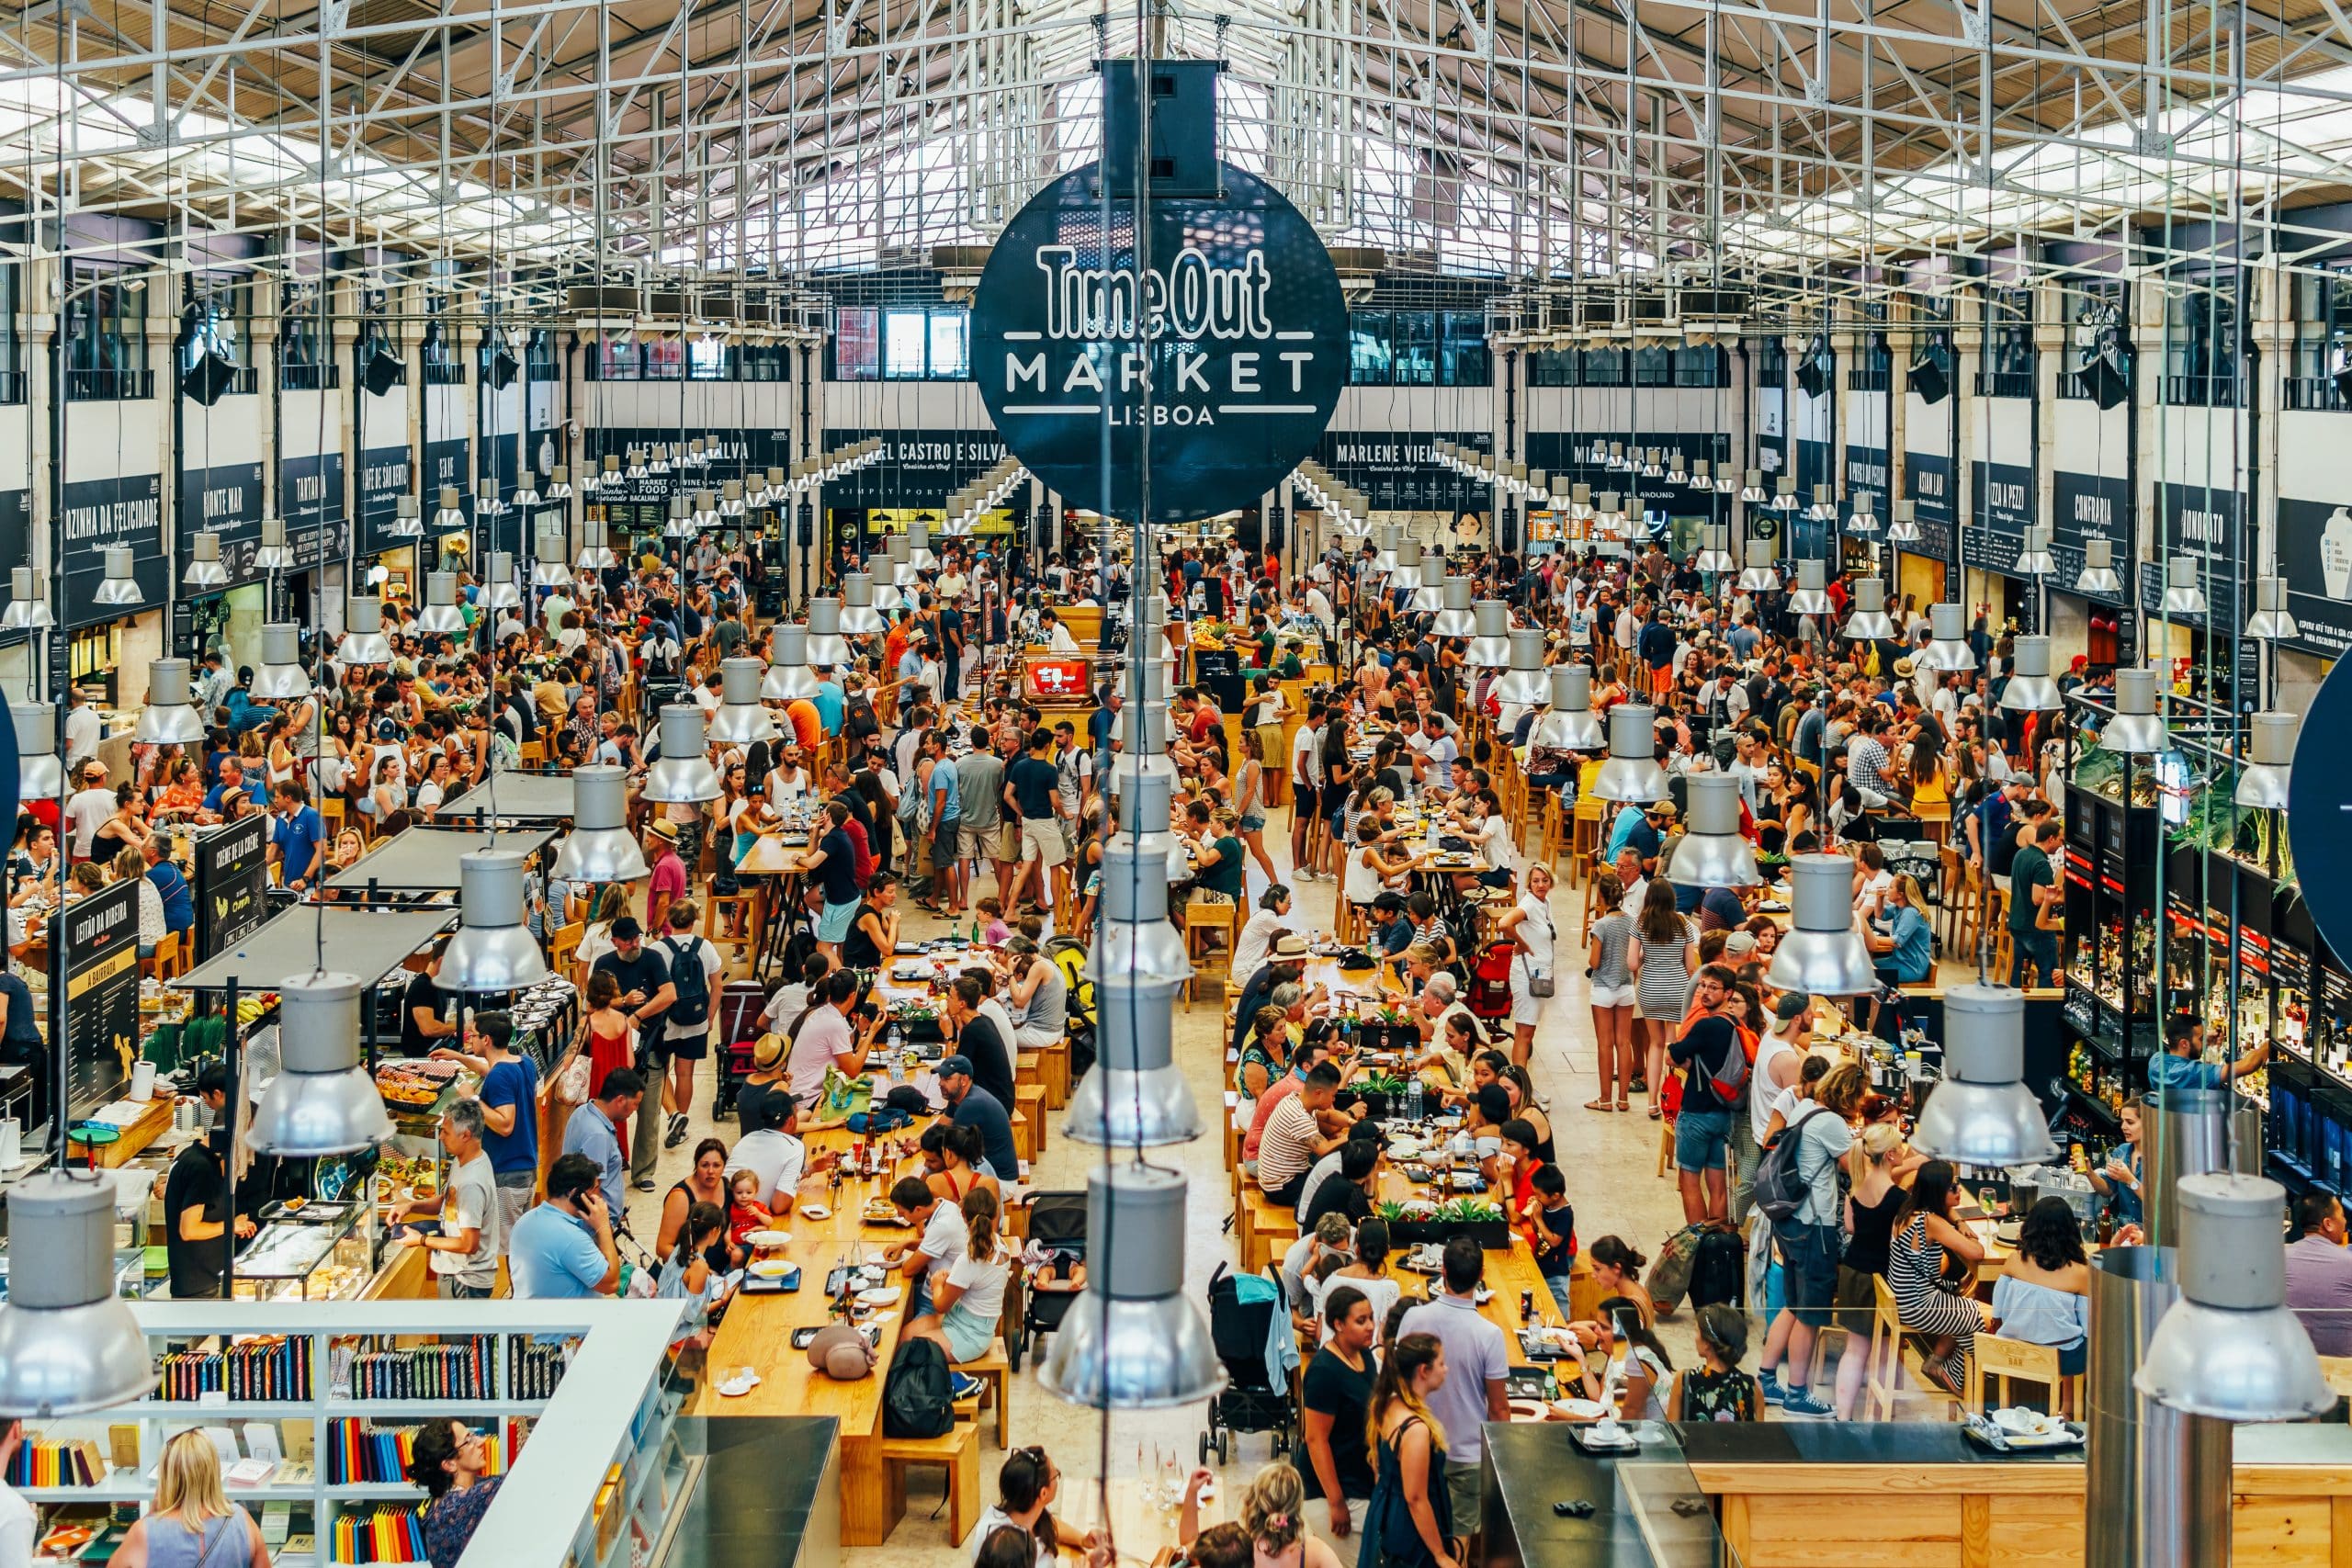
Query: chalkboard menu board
x: 231, y: 869
x: 101, y: 995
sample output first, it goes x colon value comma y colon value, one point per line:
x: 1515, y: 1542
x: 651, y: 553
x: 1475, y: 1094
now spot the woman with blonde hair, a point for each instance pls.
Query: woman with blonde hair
x: 1609, y: 968
x: 598, y: 940
x: 192, y: 1523
x: 1273, y: 1510
x: 1410, y: 1521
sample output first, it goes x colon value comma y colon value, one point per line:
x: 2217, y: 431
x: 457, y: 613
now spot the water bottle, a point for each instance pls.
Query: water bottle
x: 1413, y: 1098
x: 895, y: 1047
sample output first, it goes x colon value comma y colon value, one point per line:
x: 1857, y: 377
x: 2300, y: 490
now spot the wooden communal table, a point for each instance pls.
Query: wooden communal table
x: 757, y: 1333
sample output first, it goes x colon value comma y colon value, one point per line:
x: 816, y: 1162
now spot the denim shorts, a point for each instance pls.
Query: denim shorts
x: 1701, y: 1139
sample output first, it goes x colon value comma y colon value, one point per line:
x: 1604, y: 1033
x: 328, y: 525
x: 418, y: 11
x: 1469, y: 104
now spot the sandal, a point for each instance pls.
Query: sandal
x: 1653, y: 1115
x: 1596, y: 1105
x: 1624, y: 1105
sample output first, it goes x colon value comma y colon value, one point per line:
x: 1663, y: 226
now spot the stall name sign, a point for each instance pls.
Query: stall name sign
x: 1218, y: 348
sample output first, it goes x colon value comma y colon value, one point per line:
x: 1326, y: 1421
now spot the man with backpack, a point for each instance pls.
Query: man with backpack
x: 1796, y: 1189
x: 1714, y: 1066
x: 693, y: 975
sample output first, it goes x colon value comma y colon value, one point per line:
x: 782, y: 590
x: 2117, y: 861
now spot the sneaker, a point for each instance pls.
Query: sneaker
x: 644, y: 1184
x: 964, y: 1385
x: 1798, y: 1402
x: 1769, y: 1385
x: 677, y: 1133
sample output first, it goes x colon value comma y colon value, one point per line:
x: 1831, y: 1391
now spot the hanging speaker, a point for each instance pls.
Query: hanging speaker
x: 384, y: 371
x: 208, y: 380
x: 2104, y: 380
x: 1929, y: 379
x: 502, y: 367
x: 1813, y: 370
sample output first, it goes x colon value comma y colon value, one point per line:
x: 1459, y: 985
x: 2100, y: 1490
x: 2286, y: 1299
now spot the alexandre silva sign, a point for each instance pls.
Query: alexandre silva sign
x: 1216, y: 357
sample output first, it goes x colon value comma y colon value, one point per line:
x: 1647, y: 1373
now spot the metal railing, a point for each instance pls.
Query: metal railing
x: 108, y: 385
x: 310, y: 377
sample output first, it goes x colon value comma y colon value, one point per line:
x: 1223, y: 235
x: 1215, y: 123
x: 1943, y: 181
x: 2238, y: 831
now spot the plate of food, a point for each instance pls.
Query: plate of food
x: 769, y: 1268
x: 814, y: 1211
x: 1529, y: 1410
x: 768, y: 1238
x: 882, y: 1211
x: 879, y: 1296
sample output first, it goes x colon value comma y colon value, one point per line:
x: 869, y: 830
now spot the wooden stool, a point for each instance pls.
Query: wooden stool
x: 565, y: 950
x: 1222, y: 921
x: 995, y: 1369
x: 714, y: 931
x: 959, y: 1452
x: 1997, y: 909
x: 1892, y: 1351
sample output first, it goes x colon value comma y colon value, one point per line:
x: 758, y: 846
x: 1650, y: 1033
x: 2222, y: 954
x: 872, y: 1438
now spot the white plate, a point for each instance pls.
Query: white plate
x: 875, y: 1261
x: 2022, y: 1423
x: 815, y: 1210
x: 769, y: 1238
x: 770, y: 1268
x: 880, y: 1296
x: 1580, y: 1409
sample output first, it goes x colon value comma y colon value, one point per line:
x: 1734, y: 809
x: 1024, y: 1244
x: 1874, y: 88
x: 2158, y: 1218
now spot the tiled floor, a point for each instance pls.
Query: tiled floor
x: 1611, y: 1160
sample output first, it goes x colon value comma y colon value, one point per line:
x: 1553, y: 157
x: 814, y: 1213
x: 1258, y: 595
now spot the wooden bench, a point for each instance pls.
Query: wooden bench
x: 995, y: 1368
x: 959, y: 1453
x: 1029, y: 1099
x: 1264, y: 1230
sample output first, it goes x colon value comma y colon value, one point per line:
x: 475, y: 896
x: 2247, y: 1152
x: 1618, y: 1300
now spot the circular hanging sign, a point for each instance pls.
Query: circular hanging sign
x: 1224, y: 363
x: 2319, y: 808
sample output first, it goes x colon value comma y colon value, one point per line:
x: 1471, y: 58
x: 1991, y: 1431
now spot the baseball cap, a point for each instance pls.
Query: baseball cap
x: 626, y: 929
x: 1792, y: 1006
x: 1739, y: 942
x: 955, y: 1067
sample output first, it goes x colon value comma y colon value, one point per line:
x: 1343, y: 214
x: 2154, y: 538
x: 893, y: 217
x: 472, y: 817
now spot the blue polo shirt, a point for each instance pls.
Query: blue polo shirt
x: 830, y: 705
x: 252, y: 786
x: 590, y: 1131
x: 552, y: 1257
x: 179, y: 908
x: 297, y: 839
x: 516, y: 1084
x: 2168, y: 1071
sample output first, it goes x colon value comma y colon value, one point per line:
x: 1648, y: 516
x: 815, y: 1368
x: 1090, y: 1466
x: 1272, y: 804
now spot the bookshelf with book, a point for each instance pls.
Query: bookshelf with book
x: 313, y: 1409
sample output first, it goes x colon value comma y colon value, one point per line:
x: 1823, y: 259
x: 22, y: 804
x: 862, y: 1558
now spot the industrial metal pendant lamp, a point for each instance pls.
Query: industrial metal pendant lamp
x: 1823, y: 955
x: 1946, y: 640
x: 1136, y: 940
x: 741, y: 718
x: 595, y: 555
x: 1811, y: 596
x: 1524, y: 684
x: 404, y: 524
x: 1863, y: 520
x: 858, y: 616
x: 2136, y: 728
x: 826, y: 647
x: 1759, y: 576
x: 282, y: 677
x: 1133, y: 1340
x: 491, y: 950
x: 1134, y: 1095
x: 1571, y: 725
x: 449, y: 516
x: 1980, y: 1112
x: 121, y: 589
x: 274, y: 554
x: 600, y: 849
x: 548, y: 565
x: 1632, y: 773
x: 2099, y: 574
x: 684, y: 775
x: 204, y: 567
x: 68, y: 1343
x: 2228, y: 1348
x: 170, y: 718
x: 2270, y: 756
x: 322, y: 1101
x: 441, y: 613
x: 1904, y: 526
x: 1711, y: 853
x: 2031, y: 689
x: 788, y: 677
x: 2033, y: 555
x: 39, y: 775
x: 364, y: 644
x: 1714, y: 553
x: 28, y: 601
x: 2182, y: 595
x: 1869, y: 622
x: 1489, y: 635
x: 1455, y: 616
x: 499, y: 590
x: 2271, y: 621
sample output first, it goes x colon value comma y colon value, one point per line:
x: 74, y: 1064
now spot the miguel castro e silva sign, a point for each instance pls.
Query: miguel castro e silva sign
x: 1217, y: 360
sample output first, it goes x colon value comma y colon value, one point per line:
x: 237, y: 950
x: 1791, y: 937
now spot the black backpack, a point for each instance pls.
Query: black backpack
x: 691, y: 983
x: 918, y: 1396
x: 1718, y: 1270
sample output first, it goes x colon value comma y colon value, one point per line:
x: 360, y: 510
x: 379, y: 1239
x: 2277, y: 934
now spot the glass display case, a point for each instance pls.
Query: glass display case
x: 316, y: 1252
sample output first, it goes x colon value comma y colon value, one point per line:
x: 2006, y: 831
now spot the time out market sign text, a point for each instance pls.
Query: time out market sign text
x: 1220, y: 351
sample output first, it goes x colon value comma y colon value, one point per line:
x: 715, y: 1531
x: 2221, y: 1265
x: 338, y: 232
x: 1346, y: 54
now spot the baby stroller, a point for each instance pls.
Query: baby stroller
x: 1488, y: 994
x: 1242, y: 1312
x: 1056, y: 1240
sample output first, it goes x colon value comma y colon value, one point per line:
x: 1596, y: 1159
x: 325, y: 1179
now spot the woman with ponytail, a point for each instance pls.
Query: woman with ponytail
x: 1026, y: 1488
x: 447, y: 1460
x: 1273, y: 1510
x: 1411, y: 1520
x: 968, y: 1299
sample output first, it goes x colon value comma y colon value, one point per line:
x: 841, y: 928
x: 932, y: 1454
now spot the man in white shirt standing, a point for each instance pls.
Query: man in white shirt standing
x: 83, y: 730
x: 89, y: 808
x: 464, y: 1257
x: 1307, y: 786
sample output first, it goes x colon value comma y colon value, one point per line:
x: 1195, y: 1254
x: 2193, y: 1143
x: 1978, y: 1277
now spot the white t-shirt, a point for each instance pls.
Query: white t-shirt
x: 982, y: 1284
x: 946, y: 1239
x: 472, y: 1204
x: 1364, y: 883
x: 1308, y: 743
x: 788, y: 1003
x: 1381, y: 1293
x: 992, y: 1521
x: 774, y: 1157
x: 16, y: 1528
x: 84, y: 814
x: 825, y: 1036
x: 1257, y: 935
x: 1495, y: 838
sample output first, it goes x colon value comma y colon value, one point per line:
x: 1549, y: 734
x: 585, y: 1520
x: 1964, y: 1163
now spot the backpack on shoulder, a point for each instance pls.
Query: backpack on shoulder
x: 690, y: 981
x: 1779, y: 1191
x: 917, y: 1394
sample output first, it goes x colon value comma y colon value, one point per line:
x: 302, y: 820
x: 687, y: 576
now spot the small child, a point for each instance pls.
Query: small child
x: 745, y: 1213
x: 1717, y: 1390
x: 994, y: 933
x: 1553, y: 1233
